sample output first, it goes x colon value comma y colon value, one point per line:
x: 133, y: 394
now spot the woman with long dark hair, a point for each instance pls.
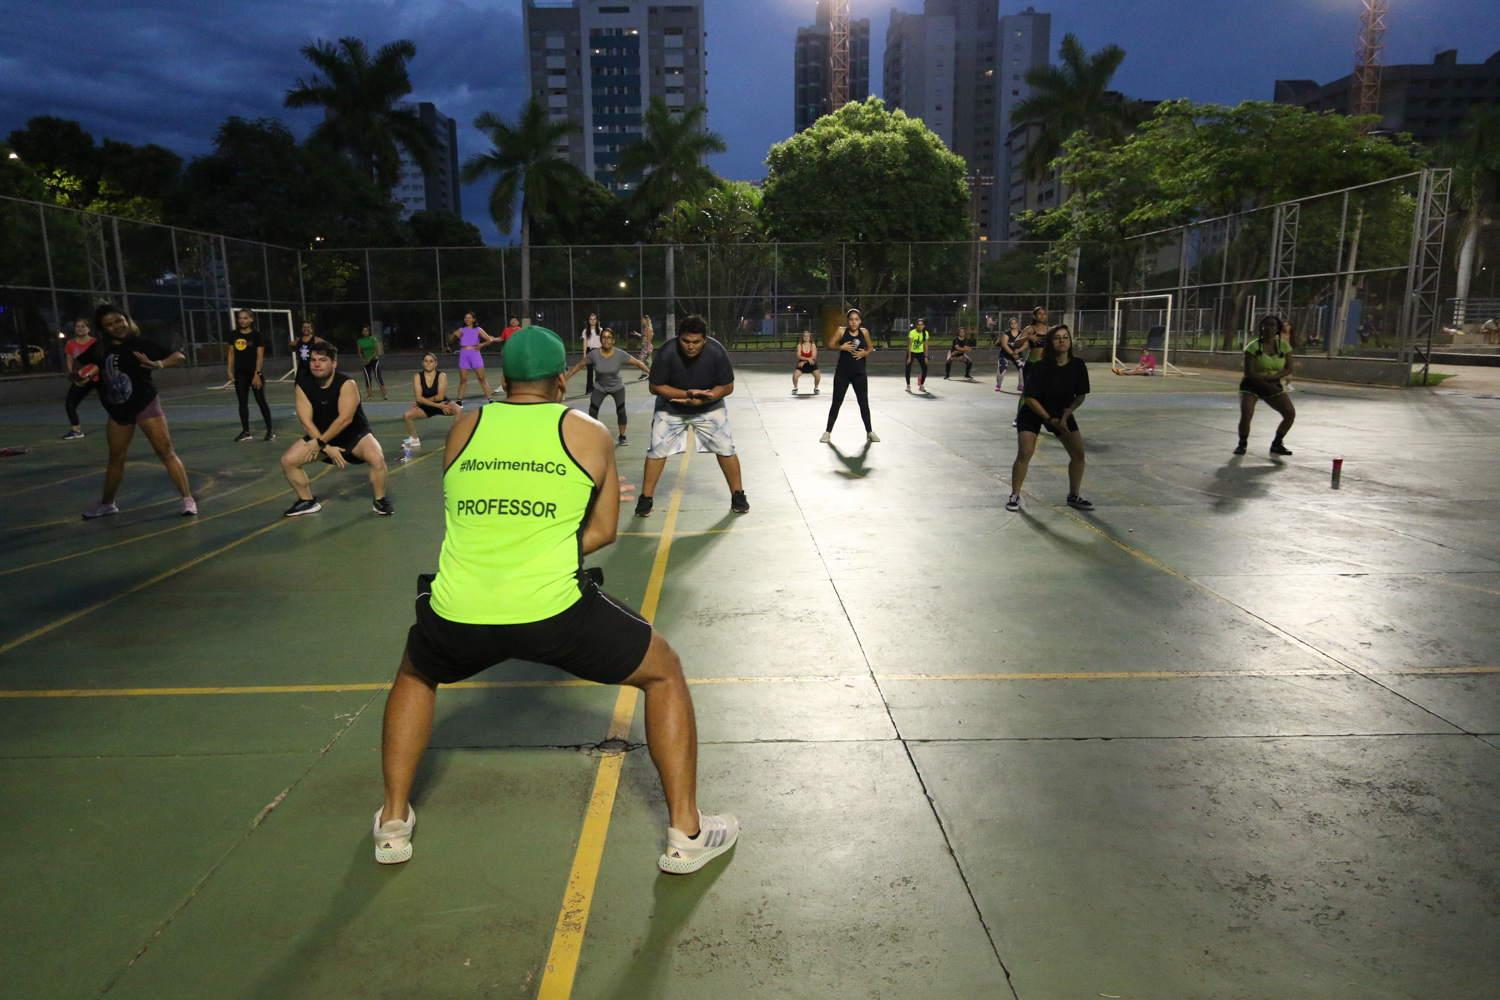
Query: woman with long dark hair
x: 1268, y: 363
x: 853, y: 343
x: 1056, y: 387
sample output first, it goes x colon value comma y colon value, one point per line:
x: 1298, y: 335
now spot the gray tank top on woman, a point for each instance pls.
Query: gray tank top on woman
x: 607, y: 370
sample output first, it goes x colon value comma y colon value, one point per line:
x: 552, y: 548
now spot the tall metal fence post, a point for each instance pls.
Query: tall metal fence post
x: 1338, y: 267
x: 504, y: 293
x: 228, y: 285
x: 301, y: 287
x: 776, y: 293
x: 572, y: 312
x: 708, y: 261
x: 120, y: 267
x: 640, y: 281
x: 370, y: 292
x: 909, y: 321
x: 51, y: 279
x: 671, y: 306
x: 181, y: 301
x: 437, y: 267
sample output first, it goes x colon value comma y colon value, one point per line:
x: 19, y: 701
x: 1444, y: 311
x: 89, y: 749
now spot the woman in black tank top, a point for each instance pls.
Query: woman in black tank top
x: 852, y: 341
x: 431, y: 387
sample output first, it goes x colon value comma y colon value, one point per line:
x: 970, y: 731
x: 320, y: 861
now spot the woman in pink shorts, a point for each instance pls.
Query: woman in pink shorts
x: 471, y: 337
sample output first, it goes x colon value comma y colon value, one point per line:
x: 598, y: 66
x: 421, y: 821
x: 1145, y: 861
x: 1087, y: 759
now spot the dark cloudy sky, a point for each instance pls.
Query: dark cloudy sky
x: 170, y: 71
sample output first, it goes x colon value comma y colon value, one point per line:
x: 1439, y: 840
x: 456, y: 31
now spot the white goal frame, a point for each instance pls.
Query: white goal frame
x: 270, y: 336
x: 1165, y: 366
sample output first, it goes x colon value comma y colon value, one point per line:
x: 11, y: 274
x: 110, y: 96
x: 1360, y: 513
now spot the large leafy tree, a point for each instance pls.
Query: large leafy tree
x: 1073, y: 97
x: 359, y: 94
x: 669, y: 159
x: 726, y: 253
x: 116, y: 178
x: 524, y: 162
x: 1475, y: 158
x: 872, y: 179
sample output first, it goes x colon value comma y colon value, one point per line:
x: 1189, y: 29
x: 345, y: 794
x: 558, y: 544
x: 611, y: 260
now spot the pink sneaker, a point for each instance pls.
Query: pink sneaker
x: 189, y: 506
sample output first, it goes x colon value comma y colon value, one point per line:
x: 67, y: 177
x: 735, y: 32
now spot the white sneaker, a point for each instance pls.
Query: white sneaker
x: 684, y: 854
x: 827, y: 436
x: 99, y: 510
x: 393, y: 839
x: 873, y: 436
x: 412, y: 443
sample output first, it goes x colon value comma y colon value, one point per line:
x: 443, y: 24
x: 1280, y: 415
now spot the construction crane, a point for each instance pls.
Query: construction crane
x: 838, y: 89
x: 1365, y: 100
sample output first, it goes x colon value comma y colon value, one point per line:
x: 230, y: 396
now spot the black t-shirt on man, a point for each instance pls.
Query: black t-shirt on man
x: 1056, y: 386
x: 325, y: 410
x: 242, y: 347
x: 125, y: 386
x: 709, y: 370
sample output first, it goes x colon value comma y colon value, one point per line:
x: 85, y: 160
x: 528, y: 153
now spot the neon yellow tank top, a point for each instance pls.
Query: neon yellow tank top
x: 516, y: 502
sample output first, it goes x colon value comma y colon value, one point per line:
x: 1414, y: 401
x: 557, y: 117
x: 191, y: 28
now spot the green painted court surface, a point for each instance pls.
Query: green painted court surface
x: 1231, y: 735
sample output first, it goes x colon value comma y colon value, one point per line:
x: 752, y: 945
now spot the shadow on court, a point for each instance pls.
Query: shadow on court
x: 854, y: 465
x: 674, y: 900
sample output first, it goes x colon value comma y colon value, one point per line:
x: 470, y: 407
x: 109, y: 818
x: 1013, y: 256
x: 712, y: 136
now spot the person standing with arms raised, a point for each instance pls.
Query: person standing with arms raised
x: 124, y: 361
x: 607, y: 361
x: 690, y: 376
x: 247, y: 358
x: 83, y: 339
x: 471, y: 337
x: 853, y: 343
x: 510, y: 585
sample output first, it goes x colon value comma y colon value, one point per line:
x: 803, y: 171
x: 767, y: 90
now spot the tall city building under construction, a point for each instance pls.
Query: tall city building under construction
x: 814, y: 65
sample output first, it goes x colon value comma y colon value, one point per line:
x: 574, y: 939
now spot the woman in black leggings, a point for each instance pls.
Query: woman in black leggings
x: 853, y: 343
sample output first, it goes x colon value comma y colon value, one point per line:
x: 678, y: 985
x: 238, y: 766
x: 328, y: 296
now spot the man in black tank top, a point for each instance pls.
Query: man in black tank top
x: 337, y: 431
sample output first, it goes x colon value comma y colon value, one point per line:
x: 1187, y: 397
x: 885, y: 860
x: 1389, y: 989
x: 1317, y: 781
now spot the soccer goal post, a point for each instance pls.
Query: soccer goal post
x: 275, y: 325
x: 1163, y: 311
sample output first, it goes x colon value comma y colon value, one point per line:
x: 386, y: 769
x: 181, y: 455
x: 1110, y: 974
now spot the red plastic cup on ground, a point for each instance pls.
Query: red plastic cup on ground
x: 1338, y: 465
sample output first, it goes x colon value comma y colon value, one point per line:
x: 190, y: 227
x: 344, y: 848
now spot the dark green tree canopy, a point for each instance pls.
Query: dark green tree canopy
x: 259, y: 183
x: 865, y: 174
x: 443, y: 229
x: 358, y: 94
x: 114, y: 177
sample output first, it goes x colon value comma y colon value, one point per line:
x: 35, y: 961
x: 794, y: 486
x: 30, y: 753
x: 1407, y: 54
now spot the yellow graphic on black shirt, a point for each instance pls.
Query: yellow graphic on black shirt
x: 241, y: 344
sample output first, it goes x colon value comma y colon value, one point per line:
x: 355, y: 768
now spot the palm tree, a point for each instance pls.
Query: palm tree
x: 670, y: 155
x: 524, y: 159
x: 359, y: 95
x: 1071, y: 98
x: 1475, y: 159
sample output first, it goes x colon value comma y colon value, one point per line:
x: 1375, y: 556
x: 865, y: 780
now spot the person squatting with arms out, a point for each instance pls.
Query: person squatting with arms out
x: 81, y: 341
x: 807, y: 363
x: 962, y: 350
x: 916, y: 350
x: 853, y: 343
x: 1005, y: 340
x: 510, y: 584
x: 1268, y: 362
x: 471, y: 337
x: 369, y: 353
x: 431, y: 388
x: 124, y: 361
x: 606, y: 361
x: 690, y: 376
x: 337, y: 432
x: 247, y: 358
x: 1056, y: 387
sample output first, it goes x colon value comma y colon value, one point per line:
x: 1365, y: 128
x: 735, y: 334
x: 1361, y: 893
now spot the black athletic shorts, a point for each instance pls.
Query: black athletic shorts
x: 1258, y: 389
x: 807, y: 367
x: 431, y: 411
x: 1027, y: 420
x: 347, y: 442
x: 598, y: 639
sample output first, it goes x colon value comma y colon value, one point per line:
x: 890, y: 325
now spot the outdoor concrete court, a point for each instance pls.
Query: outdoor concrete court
x: 1233, y: 735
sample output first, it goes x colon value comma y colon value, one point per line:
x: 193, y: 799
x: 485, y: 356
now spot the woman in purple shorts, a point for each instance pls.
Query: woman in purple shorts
x: 471, y: 337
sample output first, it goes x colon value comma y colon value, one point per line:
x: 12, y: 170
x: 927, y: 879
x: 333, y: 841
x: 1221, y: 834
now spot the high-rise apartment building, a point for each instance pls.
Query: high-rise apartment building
x: 435, y: 190
x: 961, y: 68
x: 814, y: 65
x: 600, y: 62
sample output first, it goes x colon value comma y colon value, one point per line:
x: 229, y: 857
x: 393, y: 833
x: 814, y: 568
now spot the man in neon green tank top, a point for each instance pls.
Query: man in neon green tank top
x: 530, y: 488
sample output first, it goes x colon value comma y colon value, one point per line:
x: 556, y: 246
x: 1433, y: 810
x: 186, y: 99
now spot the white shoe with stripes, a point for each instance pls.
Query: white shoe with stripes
x: 684, y: 854
x: 393, y: 839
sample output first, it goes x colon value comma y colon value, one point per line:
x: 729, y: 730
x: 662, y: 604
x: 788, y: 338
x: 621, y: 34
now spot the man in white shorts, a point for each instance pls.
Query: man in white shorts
x: 690, y: 376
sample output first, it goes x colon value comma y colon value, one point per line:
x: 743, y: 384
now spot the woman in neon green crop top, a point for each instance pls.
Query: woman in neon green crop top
x: 1268, y: 361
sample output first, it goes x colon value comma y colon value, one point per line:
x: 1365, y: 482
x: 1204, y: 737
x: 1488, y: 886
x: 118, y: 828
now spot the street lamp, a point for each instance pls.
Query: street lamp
x: 622, y: 284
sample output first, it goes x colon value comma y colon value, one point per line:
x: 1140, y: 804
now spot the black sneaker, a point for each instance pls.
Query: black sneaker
x: 1277, y: 448
x: 643, y: 506
x: 623, y: 442
x: 738, y: 503
x: 382, y: 505
x: 303, y: 507
x: 244, y: 436
x: 1013, y: 502
x: 1240, y: 448
x: 270, y: 436
x: 1079, y: 503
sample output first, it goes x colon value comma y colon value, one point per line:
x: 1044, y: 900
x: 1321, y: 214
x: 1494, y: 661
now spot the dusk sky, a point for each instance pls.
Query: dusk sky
x: 170, y: 71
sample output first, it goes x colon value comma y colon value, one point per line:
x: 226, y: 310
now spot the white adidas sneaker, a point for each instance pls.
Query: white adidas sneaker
x: 684, y: 854
x: 393, y: 839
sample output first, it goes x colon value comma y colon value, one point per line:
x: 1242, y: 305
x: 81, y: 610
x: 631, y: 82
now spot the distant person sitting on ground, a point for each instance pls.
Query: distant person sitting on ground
x: 337, y: 432
x: 690, y: 376
x: 1145, y: 366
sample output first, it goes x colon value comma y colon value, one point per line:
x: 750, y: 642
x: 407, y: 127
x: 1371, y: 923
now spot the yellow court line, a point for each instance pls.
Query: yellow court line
x: 573, y: 918
x: 164, y: 575
x: 618, y: 730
